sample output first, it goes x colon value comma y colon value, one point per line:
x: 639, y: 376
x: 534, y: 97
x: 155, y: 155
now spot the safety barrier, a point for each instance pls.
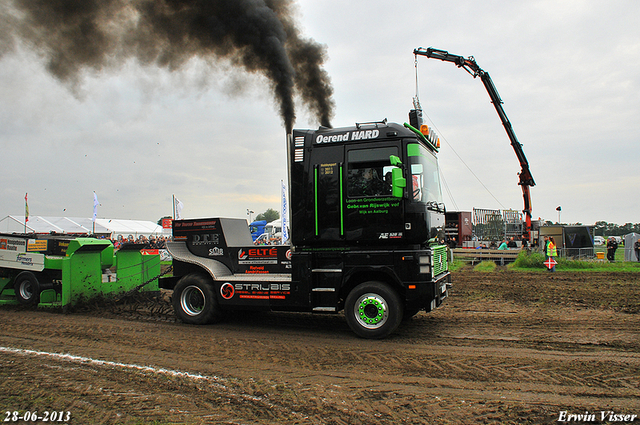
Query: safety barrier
x: 473, y: 256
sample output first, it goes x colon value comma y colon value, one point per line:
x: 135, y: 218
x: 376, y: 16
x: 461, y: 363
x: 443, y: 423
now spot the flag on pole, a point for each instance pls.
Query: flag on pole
x: 284, y: 215
x: 179, y: 205
x: 26, y: 208
x: 95, y: 206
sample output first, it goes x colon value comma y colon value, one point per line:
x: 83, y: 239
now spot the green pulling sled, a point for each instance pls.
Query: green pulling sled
x: 55, y: 271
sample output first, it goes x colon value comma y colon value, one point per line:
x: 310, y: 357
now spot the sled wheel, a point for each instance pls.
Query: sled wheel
x: 194, y: 300
x: 373, y: 310
x: 27, y: 289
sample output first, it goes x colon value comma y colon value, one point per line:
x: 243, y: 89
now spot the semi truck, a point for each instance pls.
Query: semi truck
x: 366, y: 220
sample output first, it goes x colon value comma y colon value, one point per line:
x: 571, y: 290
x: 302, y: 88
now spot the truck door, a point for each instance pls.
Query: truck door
x: 327, y: 192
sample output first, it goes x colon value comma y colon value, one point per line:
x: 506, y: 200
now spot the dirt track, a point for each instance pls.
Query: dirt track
x: 506, y: 348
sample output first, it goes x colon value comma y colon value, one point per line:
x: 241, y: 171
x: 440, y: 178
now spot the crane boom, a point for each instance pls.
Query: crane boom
x: 469, y: 64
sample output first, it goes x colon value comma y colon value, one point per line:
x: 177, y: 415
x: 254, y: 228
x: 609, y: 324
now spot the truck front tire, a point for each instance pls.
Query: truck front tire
x: 194, y: 300
x: 373, y: 310
x: 27, y: 288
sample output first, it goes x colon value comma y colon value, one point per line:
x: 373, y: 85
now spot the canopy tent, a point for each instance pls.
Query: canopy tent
x: 110, y: 228
x: 129, y: 227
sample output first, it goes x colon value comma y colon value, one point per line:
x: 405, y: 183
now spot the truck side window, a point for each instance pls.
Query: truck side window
x: 369, y: 172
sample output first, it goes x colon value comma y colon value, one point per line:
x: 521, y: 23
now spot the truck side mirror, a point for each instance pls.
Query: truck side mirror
x: 398, y: 182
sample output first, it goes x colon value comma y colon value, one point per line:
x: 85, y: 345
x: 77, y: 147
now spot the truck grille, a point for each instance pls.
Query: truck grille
x: 439, y: 260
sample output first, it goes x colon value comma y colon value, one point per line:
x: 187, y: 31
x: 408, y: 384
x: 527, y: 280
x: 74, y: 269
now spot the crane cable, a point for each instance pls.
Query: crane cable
x: 416, y: 104
x: 415, y: 64
x: 452, y: 149
x: 446, y: 187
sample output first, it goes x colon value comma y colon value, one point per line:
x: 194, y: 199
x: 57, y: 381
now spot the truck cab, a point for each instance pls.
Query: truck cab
x: 257, y: 228
x: 343, y: 192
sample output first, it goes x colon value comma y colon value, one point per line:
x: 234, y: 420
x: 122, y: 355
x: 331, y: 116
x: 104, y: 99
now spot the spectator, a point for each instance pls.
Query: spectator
x: 612, y: 245
x: 544, y: 248
x: 503, y: 246
x: 552, y: 252
x: 118, y: 242
x: 161, y: 242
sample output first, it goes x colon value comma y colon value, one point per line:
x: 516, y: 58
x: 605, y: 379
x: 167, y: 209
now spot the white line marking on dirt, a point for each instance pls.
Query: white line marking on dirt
x: 89, y: 360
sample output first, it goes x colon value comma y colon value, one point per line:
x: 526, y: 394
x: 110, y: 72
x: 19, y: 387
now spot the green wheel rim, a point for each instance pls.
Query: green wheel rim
x: 371, y: 311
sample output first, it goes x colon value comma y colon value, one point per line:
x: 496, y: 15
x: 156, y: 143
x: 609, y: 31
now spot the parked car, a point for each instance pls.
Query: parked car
x: 598, y: 240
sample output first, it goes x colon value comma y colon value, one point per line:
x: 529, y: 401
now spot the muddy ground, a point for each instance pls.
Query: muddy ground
x: 507, y: 347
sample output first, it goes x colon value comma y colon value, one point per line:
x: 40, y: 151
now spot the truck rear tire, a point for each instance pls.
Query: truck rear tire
x: 27, y: 288
x: 194, y: 300
x: 373, y: 310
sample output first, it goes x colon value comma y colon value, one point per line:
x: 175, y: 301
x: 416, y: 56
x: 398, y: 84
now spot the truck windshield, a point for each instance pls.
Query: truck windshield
x: 425, y: 178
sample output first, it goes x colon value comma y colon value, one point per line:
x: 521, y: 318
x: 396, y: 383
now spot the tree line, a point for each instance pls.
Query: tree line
x: 602, y: 228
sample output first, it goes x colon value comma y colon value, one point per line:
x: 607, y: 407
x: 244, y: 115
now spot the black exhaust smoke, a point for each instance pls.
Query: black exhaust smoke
x: 258, y: 35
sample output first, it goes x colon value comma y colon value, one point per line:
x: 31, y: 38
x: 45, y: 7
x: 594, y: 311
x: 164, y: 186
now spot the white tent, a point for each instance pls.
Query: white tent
x: 129, y: 227
x: 69, y: 225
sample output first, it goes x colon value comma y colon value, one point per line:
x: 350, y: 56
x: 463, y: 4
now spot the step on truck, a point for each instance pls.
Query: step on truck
x: 367, y: 223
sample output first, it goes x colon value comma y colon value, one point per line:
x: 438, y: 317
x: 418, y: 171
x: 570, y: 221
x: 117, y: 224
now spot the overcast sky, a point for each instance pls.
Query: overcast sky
x: 568, y: 72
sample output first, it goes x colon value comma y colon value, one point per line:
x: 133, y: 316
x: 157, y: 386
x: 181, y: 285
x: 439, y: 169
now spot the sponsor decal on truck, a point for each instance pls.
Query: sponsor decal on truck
x: 258, y: 256
x: 255, y: 290
x: 17, y: 245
